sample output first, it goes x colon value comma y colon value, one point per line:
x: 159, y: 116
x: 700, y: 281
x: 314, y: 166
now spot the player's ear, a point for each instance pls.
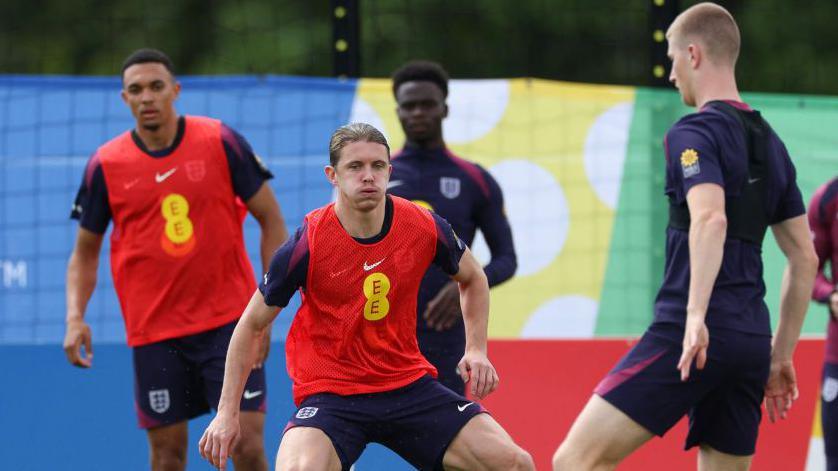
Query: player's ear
x: 444, y: 109
x: 124, y: 95
x: 695, y: 55
x: 330, y: 174
x: 177, y: 89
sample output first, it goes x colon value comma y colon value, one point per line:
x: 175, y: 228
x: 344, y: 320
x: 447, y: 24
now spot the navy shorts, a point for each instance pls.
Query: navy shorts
x: 180, y: 378
x: 723, y: 400
x: 417, y: 421
x: 829, y: 414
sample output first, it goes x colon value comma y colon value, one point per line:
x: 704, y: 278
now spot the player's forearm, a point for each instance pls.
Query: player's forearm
x: 474, y: 299
x: 706, y: 241
x: 241, y: 354
x: 500, y: 268
x: 798, y: 279
x: 81, y: 281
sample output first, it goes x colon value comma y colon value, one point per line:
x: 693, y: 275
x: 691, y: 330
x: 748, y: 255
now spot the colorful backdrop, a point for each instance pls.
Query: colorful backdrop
x: 582, y: 172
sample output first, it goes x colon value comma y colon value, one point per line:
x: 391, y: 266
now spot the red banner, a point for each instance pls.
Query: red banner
x: 545, y: 384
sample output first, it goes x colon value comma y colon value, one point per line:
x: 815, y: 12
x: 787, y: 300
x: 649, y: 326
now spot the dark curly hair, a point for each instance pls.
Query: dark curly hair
x: 423, y: 71
x: 146, y: 55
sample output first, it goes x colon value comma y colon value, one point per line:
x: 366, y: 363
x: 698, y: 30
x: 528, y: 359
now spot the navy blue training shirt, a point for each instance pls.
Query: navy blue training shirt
x: 467, y: 197
x: 710, y: 147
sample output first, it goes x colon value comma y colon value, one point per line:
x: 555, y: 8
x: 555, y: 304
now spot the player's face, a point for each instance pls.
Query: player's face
x: 680, y: 73
x: 421, y: 109
x: 361, y: 175
x: 150, y: 91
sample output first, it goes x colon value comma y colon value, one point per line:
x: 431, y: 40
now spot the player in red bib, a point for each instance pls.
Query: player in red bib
x: 177, y: 190
x: 357, y: 372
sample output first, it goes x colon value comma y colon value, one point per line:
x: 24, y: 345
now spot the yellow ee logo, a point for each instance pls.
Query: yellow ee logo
x: 423, y: 204
x: 376, y: 288
x: 178, y: 234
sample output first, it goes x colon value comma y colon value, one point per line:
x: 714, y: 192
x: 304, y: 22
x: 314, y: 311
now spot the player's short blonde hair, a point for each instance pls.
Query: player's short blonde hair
x: 713, y: 27
x: 354, y: 132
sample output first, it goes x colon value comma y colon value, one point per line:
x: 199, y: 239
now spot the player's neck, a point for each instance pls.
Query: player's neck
x: 160, y: 138
x: 720, y: 88
x: 360, y: 224
x: 431, y: 144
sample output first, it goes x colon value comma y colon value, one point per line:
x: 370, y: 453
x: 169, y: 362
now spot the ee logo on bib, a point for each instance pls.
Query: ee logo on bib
x: 376, y: 288
x: 178, y: 237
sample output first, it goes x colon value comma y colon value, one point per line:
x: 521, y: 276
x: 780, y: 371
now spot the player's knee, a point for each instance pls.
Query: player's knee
x: 250, y: 449
x: 565, y: 459
x: 512, y: 457
x: 168, y: 457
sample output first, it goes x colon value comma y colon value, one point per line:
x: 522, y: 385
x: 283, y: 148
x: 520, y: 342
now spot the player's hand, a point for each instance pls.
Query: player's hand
x: 264, y: 348
x: 222, y: 434
x: 780, y: 390
x: 696, y: 341
x: 476, y: 369
x: 833, y: 304
x: 78, y: 334
x: 443, y: 311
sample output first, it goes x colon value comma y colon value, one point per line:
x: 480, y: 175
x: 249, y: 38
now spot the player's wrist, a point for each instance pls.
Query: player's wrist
x: 74, y: 318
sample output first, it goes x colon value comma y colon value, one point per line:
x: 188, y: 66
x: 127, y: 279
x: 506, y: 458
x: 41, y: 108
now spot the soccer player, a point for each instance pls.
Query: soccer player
x: 357, y: 372
x: 823, y: 213
x: 462, y: 192
x: 177, y: 189
x: 709, y: 351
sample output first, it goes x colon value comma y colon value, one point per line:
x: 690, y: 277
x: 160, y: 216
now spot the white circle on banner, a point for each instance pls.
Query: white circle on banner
x: 474, y: 108
x: 571, y: 317
x: 362, y: 112
x: 537, y: 211
x: 606, y: 146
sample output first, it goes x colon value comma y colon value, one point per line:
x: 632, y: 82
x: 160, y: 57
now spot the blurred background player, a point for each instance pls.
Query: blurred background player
x: 357, y: 373
x: 729, y: 178
x: 174, y: 187
x: 462, y: 192
x: 823, y: 220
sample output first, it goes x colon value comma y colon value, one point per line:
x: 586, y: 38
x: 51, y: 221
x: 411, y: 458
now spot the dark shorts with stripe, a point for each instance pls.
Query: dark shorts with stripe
x: 829, y: 414
x: 179, y: 379
x: 418, y: 421
x: 722, y: 401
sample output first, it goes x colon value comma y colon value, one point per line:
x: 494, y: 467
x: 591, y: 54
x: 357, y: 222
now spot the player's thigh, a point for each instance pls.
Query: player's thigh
x: 710, y: 459
x: 169, y: 440
x: 252, y: 431
x: 167, y: 388
x: 307, y: 448
x: 211, y: 353
x: 727, y: 417
x: 601, y: 434
x: 483, y: 444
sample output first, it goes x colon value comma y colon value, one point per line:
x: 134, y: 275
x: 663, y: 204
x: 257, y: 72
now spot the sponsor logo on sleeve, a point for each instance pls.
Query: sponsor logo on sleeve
x: 689, y: 163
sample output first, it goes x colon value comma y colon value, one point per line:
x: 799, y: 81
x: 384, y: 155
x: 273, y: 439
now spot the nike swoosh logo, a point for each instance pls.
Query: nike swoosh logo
x: 133, y: 182
x: 462, y: 408
x: 251, y: 394
x: 753, y: 180
x: 370, y: 267
x: 160, y: 177
x: 394, y: 183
